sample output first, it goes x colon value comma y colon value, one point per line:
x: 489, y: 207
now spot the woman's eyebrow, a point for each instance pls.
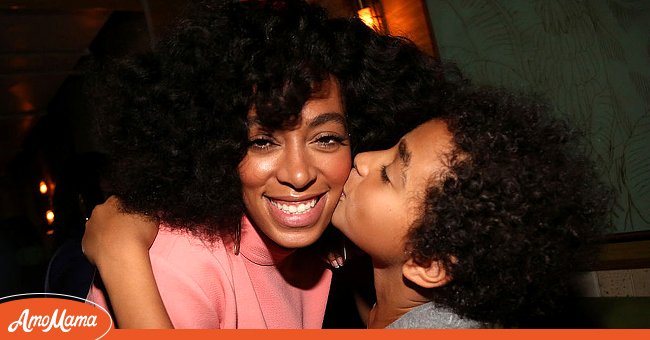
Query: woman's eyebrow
x: 326, y: 118
x: 253, y: 120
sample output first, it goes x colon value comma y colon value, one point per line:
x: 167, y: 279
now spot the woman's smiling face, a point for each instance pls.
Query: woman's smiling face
x: 292, y: 179
x: 385, y: 191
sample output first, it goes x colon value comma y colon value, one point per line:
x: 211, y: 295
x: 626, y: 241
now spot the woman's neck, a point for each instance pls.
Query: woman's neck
x: 394, y: 297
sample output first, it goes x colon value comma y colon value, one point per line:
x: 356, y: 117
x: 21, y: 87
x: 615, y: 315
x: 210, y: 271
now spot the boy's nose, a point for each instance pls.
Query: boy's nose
x: 362, y: 162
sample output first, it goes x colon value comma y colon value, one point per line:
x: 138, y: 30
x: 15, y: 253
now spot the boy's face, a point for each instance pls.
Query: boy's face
x: 292, y: 179
x: 385, y: 191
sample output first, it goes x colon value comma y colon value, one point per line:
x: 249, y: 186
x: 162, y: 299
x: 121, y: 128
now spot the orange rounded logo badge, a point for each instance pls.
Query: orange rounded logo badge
x: 37, y: 316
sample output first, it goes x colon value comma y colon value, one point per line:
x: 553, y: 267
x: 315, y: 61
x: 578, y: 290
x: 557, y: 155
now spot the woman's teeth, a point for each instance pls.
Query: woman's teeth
x: 295, y: 208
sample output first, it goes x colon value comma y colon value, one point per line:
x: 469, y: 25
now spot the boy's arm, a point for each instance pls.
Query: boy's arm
x: 118, y: 243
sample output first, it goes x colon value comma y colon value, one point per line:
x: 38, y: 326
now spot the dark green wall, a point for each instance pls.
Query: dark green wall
x: 590, y: 58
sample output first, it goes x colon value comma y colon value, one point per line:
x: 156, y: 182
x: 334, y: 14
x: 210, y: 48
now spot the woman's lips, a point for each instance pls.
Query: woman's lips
x: 299, y: 213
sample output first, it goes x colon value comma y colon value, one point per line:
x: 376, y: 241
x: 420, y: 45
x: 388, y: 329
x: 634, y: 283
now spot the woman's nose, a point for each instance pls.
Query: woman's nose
x: 296, y: 169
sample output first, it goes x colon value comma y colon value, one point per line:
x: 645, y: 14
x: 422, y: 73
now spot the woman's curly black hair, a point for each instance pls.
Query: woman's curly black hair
x: 174, y: 119
x: 517, y: 212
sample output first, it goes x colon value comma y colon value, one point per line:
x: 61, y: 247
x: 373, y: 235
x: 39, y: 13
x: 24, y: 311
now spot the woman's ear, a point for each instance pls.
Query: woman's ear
x: 431, y: 276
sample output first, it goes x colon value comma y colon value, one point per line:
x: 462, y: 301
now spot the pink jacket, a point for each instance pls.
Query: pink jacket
x: 207, y: 286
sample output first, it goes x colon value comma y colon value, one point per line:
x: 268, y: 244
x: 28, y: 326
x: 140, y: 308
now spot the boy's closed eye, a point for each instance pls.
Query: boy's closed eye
x: 384, y: 174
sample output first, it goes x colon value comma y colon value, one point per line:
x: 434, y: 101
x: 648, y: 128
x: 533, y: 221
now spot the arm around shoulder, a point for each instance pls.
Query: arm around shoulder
x: 118, y: 243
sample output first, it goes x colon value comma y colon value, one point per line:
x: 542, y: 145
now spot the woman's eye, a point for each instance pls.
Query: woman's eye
x: 384, y: 174
x: 331, y: 141
x: 260, y: 144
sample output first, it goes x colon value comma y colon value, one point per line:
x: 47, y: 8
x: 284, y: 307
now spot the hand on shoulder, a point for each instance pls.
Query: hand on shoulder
x: 112, y: 234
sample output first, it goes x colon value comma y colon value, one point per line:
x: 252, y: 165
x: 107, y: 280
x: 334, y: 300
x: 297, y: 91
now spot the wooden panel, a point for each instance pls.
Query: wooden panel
x: 28, y: 93
x: 121, y: 5
x: 40, y: 62
x: 13, y: 131
x: 410, y: 19
x: 33, y: 31
x: 625, y: 255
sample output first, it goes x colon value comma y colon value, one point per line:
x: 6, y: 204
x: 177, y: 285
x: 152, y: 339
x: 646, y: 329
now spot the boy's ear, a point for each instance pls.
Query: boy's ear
x: 431, y: 276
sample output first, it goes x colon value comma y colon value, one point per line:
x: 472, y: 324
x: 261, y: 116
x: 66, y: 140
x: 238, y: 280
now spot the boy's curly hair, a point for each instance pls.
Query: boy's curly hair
x: 174, y: 119
x: 389, y: 85
x: 516, y: 213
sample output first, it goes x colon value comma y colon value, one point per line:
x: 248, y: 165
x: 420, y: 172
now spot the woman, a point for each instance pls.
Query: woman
x: 235, y: 135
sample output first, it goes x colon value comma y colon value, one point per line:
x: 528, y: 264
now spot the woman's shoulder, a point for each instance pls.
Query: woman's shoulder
x: 181, y: 246
x: 183, y: 258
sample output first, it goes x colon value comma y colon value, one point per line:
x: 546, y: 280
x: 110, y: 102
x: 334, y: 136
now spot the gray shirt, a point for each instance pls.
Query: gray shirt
x: 429, y: 315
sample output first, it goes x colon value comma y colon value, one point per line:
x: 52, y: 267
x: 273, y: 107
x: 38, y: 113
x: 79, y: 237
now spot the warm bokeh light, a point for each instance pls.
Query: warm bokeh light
x: 23, y: 94
x: 42, y: 187
x: 50, y: 232
x: 49, y: 215
x: 368, y: 17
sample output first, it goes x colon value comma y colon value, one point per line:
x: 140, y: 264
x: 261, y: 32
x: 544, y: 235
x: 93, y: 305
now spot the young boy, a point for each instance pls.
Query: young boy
x: 476, y: 218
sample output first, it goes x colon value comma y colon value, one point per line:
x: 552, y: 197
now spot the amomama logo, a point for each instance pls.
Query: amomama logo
x: 39, y: 315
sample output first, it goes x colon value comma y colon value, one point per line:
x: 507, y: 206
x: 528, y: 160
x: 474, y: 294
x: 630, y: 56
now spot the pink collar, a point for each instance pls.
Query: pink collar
x: 258, y: 248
